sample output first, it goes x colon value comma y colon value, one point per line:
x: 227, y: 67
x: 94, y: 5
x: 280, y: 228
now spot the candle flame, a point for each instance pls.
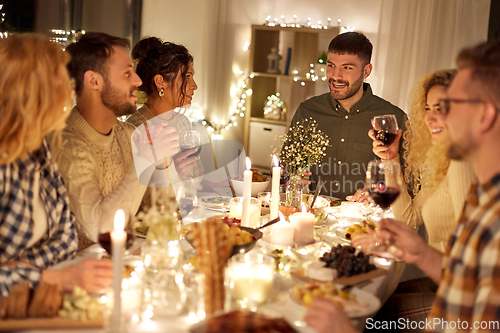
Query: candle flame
x: 275, y: 160
x: 248, y: 163
x: 304, y: 209
x: 119, y: 220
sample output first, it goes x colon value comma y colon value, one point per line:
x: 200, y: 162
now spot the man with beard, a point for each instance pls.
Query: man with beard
x: 468, y: 273
x: 96, y: 160
x: 345, y: 115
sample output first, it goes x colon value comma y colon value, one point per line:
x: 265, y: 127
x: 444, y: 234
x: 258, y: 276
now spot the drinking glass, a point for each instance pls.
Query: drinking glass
x: 104, y: 237
x: 383, y: 186
x: 249, y: 278
x: 190, y: 140
x: 382, y: 183
x: 187, y: 195
x: 386, y: 128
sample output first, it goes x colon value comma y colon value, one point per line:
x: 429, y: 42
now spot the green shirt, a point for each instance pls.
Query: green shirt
x: 343, y: 168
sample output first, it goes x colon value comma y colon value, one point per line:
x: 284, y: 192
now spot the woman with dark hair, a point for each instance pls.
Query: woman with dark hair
x: 167, y: 74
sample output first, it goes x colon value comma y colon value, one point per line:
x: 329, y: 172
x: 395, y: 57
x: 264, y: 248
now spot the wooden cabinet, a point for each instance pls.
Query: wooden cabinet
x: 306, y: 45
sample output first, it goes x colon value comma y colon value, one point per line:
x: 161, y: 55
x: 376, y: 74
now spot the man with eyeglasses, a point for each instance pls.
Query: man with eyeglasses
x: 468, y: 273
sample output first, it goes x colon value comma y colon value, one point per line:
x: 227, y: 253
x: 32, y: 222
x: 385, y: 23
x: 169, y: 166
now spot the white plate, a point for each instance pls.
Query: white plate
x: 367, y: 304
x: 203, y: 201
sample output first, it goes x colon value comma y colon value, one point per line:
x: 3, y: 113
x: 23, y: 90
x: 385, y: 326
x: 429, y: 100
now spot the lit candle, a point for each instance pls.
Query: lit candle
x: 118, y: 238
x: 247, y: 191
x: 303, y: 223
x: 275, y: 190
x: 282, y: 232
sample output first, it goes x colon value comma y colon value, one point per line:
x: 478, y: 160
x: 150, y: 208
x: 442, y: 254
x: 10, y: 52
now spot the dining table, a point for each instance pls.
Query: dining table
x: 328, y: 233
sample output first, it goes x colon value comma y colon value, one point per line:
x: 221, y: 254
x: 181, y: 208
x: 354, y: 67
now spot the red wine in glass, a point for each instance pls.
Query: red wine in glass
x: 385, y: 197
x: 105, y: 241
x: 386, y: 137
x: 386, y: 128
x: 195, y: 153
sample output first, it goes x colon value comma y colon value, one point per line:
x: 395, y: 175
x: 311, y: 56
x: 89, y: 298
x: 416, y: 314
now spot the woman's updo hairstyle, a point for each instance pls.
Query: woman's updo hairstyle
x: 154, y: 56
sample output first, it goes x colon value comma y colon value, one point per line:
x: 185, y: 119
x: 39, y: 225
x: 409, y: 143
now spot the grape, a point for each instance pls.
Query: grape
x: 346, y: 261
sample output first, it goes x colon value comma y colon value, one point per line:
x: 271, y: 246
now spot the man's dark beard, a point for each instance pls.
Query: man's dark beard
x: 352, y: 89
x: 111, y: 99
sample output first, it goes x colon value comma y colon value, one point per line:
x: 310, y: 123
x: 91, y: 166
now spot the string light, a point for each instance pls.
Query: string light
x: 66, y: 37
x: 307, y: 23
x: 215, y: 126
x: 3, y: 34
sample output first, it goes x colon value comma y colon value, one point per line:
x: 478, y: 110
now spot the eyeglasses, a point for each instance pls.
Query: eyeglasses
x: 444, y: 104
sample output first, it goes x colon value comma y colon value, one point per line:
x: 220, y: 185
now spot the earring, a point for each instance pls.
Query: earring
x: 162, y: 92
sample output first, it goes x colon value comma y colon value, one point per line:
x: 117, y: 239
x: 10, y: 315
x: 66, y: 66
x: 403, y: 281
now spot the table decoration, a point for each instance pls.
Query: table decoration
x: 303, y: 224
x: 249, y: 278
x: 275, y: 189
x: 282, y: 232
x: 253, y: 210
x: 303, y: 146
x: 118, y: 238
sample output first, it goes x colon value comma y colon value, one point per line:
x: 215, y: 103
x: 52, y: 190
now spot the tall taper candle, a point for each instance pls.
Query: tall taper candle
x: 118, y: 238
x: 275, y: 189
x: 247, y: 194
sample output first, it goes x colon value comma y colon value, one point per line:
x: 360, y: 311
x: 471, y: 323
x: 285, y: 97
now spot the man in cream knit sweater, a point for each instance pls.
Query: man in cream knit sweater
x: 96, y: 159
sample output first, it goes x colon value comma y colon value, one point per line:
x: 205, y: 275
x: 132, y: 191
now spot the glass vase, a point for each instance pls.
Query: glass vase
x: 294, y: 191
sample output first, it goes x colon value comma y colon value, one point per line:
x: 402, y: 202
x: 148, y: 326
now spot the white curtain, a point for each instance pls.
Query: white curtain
x: 420, y: 36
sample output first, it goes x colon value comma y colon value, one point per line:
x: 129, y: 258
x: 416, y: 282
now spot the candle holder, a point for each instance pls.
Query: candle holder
x: 248, y: 279
x: 236, y: 209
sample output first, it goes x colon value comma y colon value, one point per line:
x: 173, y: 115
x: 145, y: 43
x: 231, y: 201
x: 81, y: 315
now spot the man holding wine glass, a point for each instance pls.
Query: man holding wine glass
x: 468, y: 296
x: 344, y: 115
x: 97, y: 158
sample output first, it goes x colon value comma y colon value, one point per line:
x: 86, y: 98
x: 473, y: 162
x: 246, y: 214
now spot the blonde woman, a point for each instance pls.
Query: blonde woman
x: 37, y: 228
x: 439, y: 185
x: 439, y: 188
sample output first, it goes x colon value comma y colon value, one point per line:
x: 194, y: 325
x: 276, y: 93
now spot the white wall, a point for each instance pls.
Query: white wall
x: 215, y: 32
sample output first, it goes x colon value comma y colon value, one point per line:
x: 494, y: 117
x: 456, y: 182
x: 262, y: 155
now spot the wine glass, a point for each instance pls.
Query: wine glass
x: 190, y: 140
x: 386, y: 128
x: 284, y: 174
x: 382, y: 183
x: 104, y: 237
x: 383, y: 186
x: 186, y: 193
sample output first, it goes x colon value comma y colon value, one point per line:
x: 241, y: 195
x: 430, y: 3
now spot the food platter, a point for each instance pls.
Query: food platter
x: 364, y: 305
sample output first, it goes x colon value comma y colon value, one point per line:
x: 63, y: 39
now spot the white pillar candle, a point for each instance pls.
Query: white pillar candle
x: 282, y: 232
x: 303, y: 224
x: 275, y: 190
x: 247, y: 193
x: 118, y: 238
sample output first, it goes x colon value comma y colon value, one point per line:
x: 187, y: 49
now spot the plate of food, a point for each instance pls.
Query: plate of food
x: 356, y: 303
x: 351, y: 231
x: 214, y: 201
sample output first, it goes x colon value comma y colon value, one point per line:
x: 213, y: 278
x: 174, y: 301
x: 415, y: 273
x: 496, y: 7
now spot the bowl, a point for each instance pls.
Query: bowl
x: 241, y: 248
x: 257, y: 187
x: 320, y: 209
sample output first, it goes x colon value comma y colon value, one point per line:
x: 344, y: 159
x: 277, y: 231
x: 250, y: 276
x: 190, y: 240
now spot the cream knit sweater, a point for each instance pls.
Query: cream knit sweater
x: 440, y: 210
x: 99, y: 173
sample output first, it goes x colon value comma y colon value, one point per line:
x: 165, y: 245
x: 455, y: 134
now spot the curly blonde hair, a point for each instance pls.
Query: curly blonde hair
x: 36, y: 93
x: 425, y: 164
